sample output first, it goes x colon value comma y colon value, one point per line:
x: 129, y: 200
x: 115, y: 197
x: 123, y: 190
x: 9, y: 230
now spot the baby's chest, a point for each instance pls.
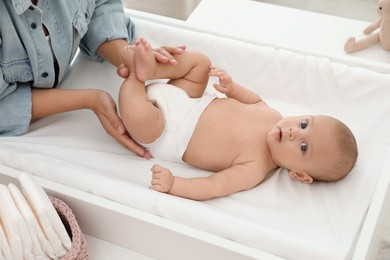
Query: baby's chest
x: 220, y: 147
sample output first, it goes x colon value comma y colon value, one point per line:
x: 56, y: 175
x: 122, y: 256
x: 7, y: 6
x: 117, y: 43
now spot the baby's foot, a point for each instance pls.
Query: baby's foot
x: 128, y: 57
x: 145, y: 63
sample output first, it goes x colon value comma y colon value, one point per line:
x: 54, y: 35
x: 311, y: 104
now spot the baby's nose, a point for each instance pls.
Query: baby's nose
x: 294, y: 133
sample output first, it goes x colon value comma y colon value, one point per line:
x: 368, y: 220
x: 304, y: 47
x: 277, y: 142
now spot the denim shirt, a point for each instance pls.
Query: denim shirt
x: 26, y: 57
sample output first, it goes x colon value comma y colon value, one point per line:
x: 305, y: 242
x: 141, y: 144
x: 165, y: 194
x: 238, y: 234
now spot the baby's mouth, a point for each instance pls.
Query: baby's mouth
x: 280, y: 135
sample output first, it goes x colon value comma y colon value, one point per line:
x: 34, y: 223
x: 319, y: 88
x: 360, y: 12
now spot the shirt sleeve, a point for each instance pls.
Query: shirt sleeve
x: 107, y: 23
x: 15, y: 108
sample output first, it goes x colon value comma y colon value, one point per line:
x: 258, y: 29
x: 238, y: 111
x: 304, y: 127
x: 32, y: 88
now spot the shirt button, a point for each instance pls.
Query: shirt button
x: 31, y: 7
x: 45, y: 74
x: 33, y: 26
x: 86, y: 15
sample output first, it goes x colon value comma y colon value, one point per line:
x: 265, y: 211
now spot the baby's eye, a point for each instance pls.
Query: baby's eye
x: 304, y: 123
x: 304, y: 147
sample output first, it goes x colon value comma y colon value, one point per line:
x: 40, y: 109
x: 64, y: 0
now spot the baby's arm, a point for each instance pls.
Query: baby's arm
x: 237, y: 178
x: 232, y: 89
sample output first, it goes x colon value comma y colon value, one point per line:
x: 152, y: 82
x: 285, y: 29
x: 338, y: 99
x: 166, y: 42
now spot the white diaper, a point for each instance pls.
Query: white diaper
x: 181, y: 114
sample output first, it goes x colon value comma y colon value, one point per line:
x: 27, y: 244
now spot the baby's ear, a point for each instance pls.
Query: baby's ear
x: 303, y: 177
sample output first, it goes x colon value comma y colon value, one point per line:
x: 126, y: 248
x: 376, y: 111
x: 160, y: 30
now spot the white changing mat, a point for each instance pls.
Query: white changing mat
x: 281, y: 216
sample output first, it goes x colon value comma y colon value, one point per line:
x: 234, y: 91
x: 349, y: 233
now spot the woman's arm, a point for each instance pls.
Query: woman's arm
x: 112, y: 51
x: 47, y: 102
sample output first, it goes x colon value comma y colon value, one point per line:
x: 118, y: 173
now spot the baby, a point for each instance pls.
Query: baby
x: 239, y: 138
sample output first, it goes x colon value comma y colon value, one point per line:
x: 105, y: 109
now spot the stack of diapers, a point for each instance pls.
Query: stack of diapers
x: 30, y: 227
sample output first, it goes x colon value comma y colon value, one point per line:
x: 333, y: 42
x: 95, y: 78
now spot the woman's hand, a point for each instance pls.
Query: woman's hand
x: 105, y: 109
x: 47, y: 102
x: 163, y: 54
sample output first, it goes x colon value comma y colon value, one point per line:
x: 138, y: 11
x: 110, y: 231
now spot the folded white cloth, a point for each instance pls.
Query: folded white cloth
x: 42, y: 249
x: 46, y: 215
x: 15, y: 228
x: 5, y: 251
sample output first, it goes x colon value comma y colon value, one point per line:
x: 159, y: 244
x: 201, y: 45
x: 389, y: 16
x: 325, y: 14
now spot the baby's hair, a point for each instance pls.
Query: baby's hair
x: 347, y: 151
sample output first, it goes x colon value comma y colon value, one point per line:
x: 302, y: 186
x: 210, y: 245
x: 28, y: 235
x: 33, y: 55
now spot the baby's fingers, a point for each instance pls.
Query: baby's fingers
x: 155, y: 183
x: 156, y: 187
x: 216, y: 72
x: 156, y: 168
x: 213, y: 68
x: 221, y: 88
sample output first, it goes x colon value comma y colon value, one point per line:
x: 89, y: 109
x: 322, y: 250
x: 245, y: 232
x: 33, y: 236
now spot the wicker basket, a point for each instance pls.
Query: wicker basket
x: 79, y: 248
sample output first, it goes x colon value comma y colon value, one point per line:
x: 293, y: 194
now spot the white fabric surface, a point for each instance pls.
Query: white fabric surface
x: 281, y: 216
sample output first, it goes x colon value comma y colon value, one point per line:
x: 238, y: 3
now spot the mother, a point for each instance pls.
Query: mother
x: 39, y: 39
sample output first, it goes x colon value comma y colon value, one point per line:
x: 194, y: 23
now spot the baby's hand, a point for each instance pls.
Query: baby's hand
x: 226, y: 84
x: 162, y: 179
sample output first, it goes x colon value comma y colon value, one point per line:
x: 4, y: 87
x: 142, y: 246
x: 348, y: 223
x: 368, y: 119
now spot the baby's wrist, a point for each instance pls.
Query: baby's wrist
x: 231, y: 89
x: 172, y: 183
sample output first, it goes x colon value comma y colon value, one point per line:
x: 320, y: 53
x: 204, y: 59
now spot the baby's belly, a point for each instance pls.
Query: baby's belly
x: 225, y: 130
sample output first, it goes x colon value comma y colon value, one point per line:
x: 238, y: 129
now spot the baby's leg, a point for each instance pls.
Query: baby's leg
x: 143, y: 120
x: 191, y: 74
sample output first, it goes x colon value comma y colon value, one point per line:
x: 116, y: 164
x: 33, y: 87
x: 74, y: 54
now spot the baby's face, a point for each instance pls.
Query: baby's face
x: 303, y: 144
